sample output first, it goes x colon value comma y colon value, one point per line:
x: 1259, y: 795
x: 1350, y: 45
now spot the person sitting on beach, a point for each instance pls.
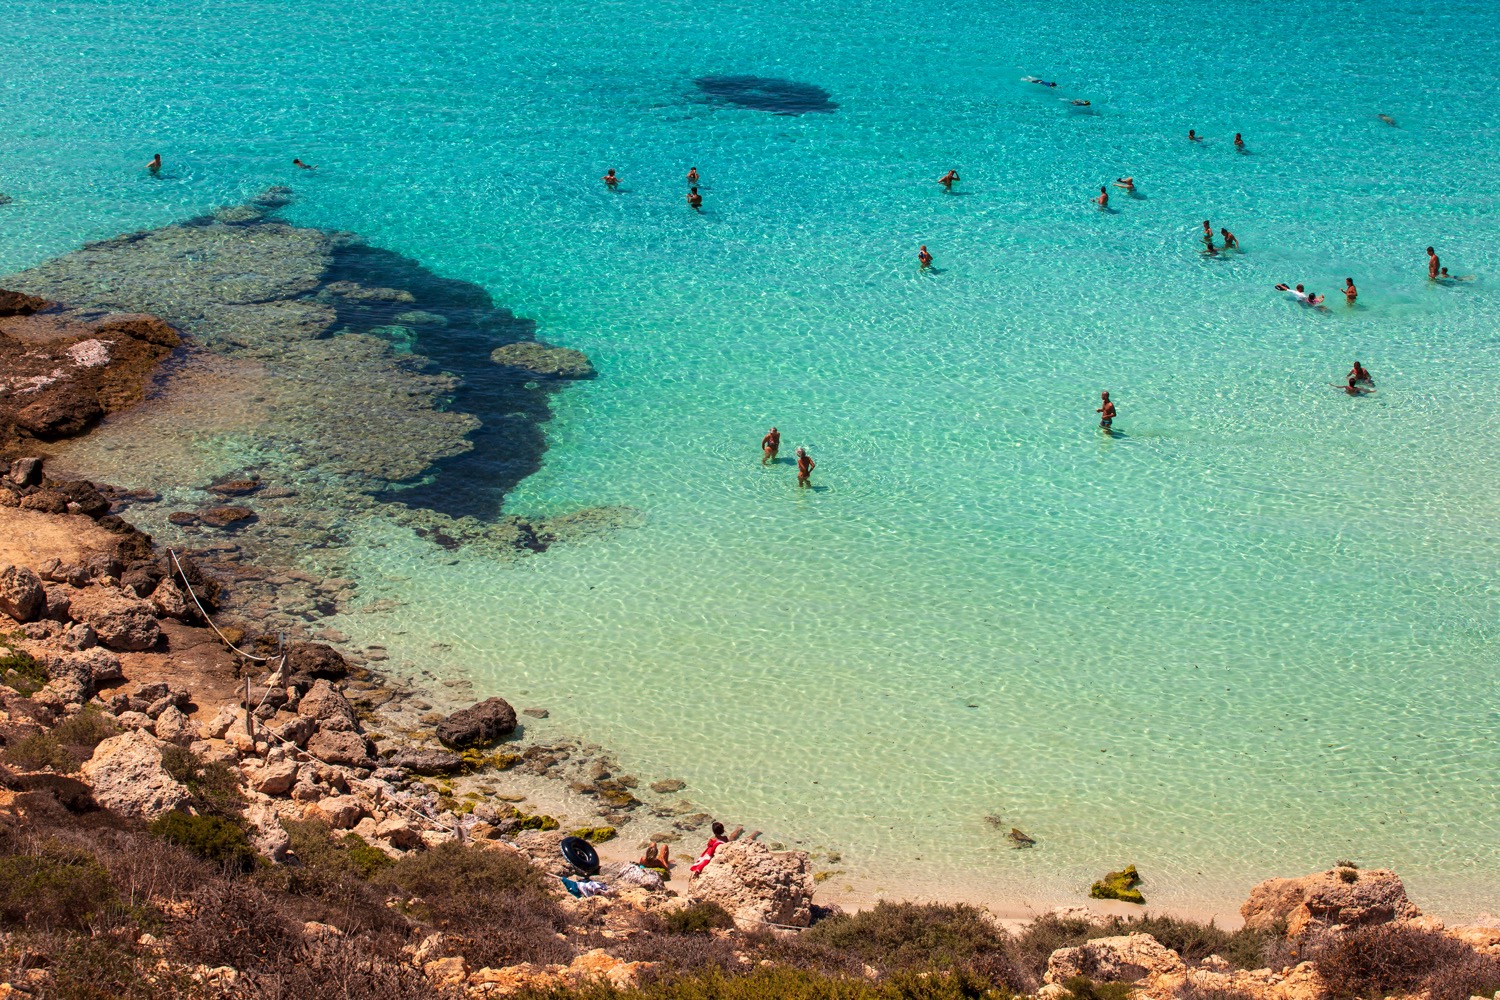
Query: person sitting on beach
x: 692, y: 176
x: 610, y: 180
x: 658, y: 859
x: 923, y: 257
x: 1432, y: 264
x: 695, y: 200
x: 1230, y: 243
x: 805, y: 466
x: 947, y: 179
x: 1128, y: 183
x: 1239, y: 143
x: 1350, y: 292
x: 1103, y: 199
x: 719, y: 839
x: 1351, y: 389
x: 1194, y: 136
x: 155, y: 165
x: 770, y: 445
x: 1359, y: 374
x: 304, y: 166
x: 1106, y: 412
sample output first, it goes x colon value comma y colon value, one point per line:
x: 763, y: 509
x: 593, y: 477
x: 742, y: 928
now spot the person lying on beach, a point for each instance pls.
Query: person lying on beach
x: 1230, y: 243
x: 1360, y: 374
x: 1351, y: 389
x: 923, y: 257
x: 1106, y: 412
x: 609, y: 179
x: 304, y: 166
x: 155, y: 165
x: 1103, y: 199
x: 695, y: 200
x: 658, y: 859
x: 1128, y: 183
x: 1432, y: 264
x: 770, y: 445
x: 692, y: 176
x: 1037, y: 79
x: 1350, y: 292
x: 805, y: 466
x: 947, y: 179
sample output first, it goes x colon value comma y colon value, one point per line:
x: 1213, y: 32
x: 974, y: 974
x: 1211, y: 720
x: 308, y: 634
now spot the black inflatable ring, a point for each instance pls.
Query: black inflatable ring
x: 580, y: 854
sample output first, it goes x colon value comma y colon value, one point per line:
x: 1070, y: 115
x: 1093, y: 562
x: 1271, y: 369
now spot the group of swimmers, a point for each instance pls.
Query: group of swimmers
x: 154, y: 166
x: 694, y: 199
x: 771, y: 444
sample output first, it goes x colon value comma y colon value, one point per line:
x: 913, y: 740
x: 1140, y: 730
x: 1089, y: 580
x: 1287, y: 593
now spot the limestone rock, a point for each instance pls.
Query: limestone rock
x: 126, y: 774
x: 226, y: 517
x: 61, y: 414
x: 1127, y: 958
x: 426, y: 762
x: 307, y: 661
x: 398, y: 833
x: 171, y: 602
x: 172, y: 726
x: 21, y: 594
x: 1336, y: 898
x: 757, y: 884
x: 484, y: 722
x: 446, y: 973
x: 540, y: 359
x: 226, y: 717
x: 267, y: 835
x: 340, y: 747
x: 19, y: 304
x: 122, y: 623
x: 25, y: 471
x: 342, y: 811
x: 87, y: 668
x: 327, y: 705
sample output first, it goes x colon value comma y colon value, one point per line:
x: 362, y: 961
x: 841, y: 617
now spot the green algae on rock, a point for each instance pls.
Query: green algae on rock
x: 1119, y: 885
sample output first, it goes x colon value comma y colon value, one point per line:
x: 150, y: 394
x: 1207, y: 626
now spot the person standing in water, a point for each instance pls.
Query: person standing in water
x: 770, y: 445
x: 1239, y: 143
x: 155, y: 165
x: 924, y: 258
x: 1230, y: 243
x: 694, y: 199
x: 947, y: 180
x: 692, y: 176
x: 805, y: 466
x: 1360, y: 374
x: 1103, y: 199
x: 1106, y: 412
x: 1350, y: 293
x: 1432, y: 264
x: 610, y: 180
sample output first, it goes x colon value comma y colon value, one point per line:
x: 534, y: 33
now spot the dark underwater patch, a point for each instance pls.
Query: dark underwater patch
x: 767, y: 93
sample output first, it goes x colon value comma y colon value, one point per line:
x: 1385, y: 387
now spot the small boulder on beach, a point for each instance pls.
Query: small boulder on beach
x: 478, y: 724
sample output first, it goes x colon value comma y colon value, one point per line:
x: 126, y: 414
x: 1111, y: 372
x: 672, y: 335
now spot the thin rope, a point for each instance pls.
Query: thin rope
x: 204, y: 611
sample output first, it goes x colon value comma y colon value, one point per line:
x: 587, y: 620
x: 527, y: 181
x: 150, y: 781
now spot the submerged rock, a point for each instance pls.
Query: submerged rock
x: 543, y: 360
x: 484, y: 722
x: 225, y: 517
x: 1119, y: 885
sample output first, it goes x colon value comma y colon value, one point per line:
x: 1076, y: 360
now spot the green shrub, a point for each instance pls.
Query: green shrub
x: 85, y: 731
x: 215, y: 785
x: 22, y: 672
x: 698, y: 918
x: 1244, y: 948
x: 1084, y: 988
x: 40, y: 751
x: 786, y: 983
x: 54, y: 887
x: 919, y: 936
x: 365, y: 859
x: 212, y: 838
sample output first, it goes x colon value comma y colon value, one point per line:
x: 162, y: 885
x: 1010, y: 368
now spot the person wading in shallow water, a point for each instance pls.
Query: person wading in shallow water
x: 610, y: 180
x: 695, y: 199
x: 692, y: 175
x: 155, y: 165
x: 1106, y: 412
x: 947, y: 179
x: 923, y: 257
x: 805, y: 466
x: 770, y: 445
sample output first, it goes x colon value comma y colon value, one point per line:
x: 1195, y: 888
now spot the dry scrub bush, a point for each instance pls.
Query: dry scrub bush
x: 1393, y: 958
x: 93, y: 968
x: 52, y: 886
x: 903, y: 936
x: 786, y: 983
x: 326, y: 880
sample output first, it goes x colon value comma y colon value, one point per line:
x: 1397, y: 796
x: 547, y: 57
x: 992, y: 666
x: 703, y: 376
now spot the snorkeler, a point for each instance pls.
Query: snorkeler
x: 1103, y: 199
x: 1350, y: 293
x: 770, y: 445
x: 805, y: 466
x: 947, y: 179
x: 1432, y: 264
x: 923, y: 256
x: 1387, y: 119
x: 1128, y: 183
x: 1037, y: 79
x: 1230, y: 243
x: 1360, y: 374
x: 1079, y: 103
x: 694, y: 199
x: 155, y: 165
x: 609, y: 179
x: 304, y: 166
x: 1106, y: 412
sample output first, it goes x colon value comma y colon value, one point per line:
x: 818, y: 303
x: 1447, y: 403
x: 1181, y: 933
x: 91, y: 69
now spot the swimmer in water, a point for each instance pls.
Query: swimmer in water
x: 1239, y: 143
x: 155, y: 165
x: 1128, y: 183
x: 1296, y: 293
x: 1037, y: 79
x: 1103, y: 199
x: 1194, y: 136
x: 770, y: 445
x: 694, y: 199
x: 1443, y: 275
x: 610, y: 180
x: 805, y: 466
x: 1208, y: 230
x: 1359, y: 374
x: 692, y: 176
x: 1352, y: 389
x: 1079, y: 104
x: 1313, y: 300
x: 947, y: 179
x: 304, y: 166
x: 1387, y: 119
x: 1230, y: 243
x: 1106, y: 412
x: 1432, y: 264
x: 1209, y: 250
x: 923, y: 257
x: 1350, y: 294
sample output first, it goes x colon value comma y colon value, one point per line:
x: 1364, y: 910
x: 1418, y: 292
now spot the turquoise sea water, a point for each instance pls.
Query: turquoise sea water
x: 1254, y: 632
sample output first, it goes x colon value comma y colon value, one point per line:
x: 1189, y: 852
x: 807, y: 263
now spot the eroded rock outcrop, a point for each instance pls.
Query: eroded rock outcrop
x: 128, y: 778
x: 757, y: 885
x: 1340, y: 897
x: 1127, y: 958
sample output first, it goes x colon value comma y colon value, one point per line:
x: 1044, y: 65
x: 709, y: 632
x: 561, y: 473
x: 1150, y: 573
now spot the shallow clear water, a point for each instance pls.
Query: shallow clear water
x: 1252, y: 633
